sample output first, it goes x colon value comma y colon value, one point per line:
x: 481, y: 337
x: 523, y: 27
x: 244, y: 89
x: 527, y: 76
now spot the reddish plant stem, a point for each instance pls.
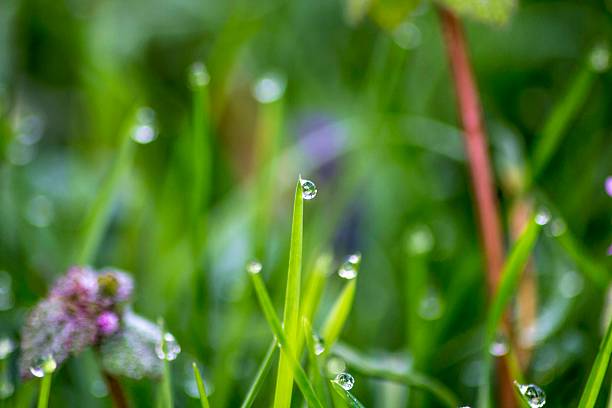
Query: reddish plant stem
x: 486, y: 204
x: 116, y: 391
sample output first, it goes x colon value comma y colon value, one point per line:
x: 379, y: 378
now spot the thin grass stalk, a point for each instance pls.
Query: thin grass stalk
x: 598, y: 372
x: 349, y: 399
x: 201, y: 389
x: 45, y: 390
x: 260, y: 376
x: 284, y: 379
x: 487, y: 208
x: 338, y: 314
x: 314, y: 363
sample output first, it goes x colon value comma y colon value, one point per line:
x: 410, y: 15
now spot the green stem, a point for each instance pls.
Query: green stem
x: 45, y: 389
x: 260, y: 376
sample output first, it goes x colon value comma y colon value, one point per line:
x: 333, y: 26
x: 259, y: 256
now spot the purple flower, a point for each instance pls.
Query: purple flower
x: 610, y: 250
x: 115, y: 286
x: 80, y: 285
x: 608, y: 185
x: 108, y: 323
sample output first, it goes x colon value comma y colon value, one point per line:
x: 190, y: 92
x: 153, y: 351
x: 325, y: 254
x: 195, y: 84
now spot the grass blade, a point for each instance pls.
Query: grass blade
x: 166, y: 390
x: 45, y: 389
x: 284, y: 379
x: 340, y: 310
x: 314, y: 362
x: 348, y: 398
x: 297, y: 371
x: 258, y: 381
x: 201, y: 389
x: 510, y: 277
x: 598, y: 372
x: 372, y: 367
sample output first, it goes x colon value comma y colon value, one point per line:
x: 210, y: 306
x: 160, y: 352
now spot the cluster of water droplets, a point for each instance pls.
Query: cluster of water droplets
x: 345, y: 380
x: 167, y: 348
x: 534, y: 395
x: 144, y: 131
x: 44, y: 365
x: 350, y: 267
x: 309, y: 189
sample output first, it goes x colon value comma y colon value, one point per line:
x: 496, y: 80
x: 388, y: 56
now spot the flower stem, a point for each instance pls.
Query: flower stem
x: 487, y: 207
x: 116, y: 391
x: 45, y: 389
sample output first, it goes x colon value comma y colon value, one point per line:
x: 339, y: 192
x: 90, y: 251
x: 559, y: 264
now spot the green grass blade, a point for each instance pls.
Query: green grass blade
x: 297, y: 371
x: 598, y: 372
x: 97, y: 218
x: 201, y: 389
x: 284, y: 379
x: 348, y: 398
x: 166, y: 390
x: 314, y: 363
x: 340, y: 310
x: 372, y: 367
x: 45, y: 390
x: 260, y: 376
x: 510, y: 277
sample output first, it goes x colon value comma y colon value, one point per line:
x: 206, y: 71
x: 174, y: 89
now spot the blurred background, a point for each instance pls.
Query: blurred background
x: 101, y: 105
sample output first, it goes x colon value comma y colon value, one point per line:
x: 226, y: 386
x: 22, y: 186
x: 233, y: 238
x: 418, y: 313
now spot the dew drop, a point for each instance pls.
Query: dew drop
x: 6, y: 347
x: 168, y: 348
x: 430, y: 307
x: 420, y: 240
x: 542, y: 217
x: 499, y: 347
x: 349, y: 268
x: 319, y: 345
x: 345, y: 380
x: 557, y: 227
x: 43, y: 366
x: 6, y: 388
x: 600, y: 58
x: 144, y: 130
x: 534, y: 395
x: 98, y: 388
x: 407, y: 36
x: 309, y: 189
x: 253, y: 267
x: 269, y: 88
x: 198, y: 75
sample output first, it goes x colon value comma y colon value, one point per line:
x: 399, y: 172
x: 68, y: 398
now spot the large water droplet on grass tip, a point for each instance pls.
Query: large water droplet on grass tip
x: 534, y: 395
x: 198, y: 75
x: 6, y: 347
x: 542, y: 217
x: 309, y: 189
x: 144, y: 130
x: 345, y: 380
x: 167, y: 349
x: 254, y: 267
x: 499, y: 347
x: 269, y: 88
x: 43, y: 366
x: 349, y: 268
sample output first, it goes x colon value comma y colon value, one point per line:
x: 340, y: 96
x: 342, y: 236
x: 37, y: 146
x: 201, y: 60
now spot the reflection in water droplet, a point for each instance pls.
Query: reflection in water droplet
x: 335, y: 365
x: 570, y: 284
x: 407, y: 36
x: 319, y: 344
x: 39, y: 211
x: 43, y: 366
x: 345, y: 380
x: 269, y: 88
x: 168, y: 349
x: 430, y: 307
x: 534, y: 395
x: 600, y: 58
x: 420, y: 240
x: 499, y: 347
x: 144, y: 130
x: 198, y: 75
x: 253, y: 267
x: 6, y: 347
x: 350, y: 267
x: 542, y: 217
x: 309, y: 189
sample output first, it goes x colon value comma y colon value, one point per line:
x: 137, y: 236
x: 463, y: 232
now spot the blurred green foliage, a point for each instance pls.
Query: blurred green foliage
x: 369, y: 114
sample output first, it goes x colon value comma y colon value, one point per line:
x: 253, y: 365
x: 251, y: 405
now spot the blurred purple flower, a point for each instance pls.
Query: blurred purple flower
x: 79, y: 285
x: 610, y: 250
x: 608, y: 185
x: 108, y: 323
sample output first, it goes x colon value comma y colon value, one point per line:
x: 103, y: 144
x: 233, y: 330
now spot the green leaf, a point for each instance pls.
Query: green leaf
x: 291, y: 314
x: 598, y: 372
x: 201, y: 389
x: 348, y: 398
x: 488, y: 11
x: 297, y: 371
x: 258, y: 381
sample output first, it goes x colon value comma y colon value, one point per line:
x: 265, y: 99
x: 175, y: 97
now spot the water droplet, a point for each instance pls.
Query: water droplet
x: 557, y: 227
x: 6, y: 347
x: 43, y: 366
x: 6, y: 388
x: 499, y: 347
x: 319, y: 344
x: 39, y: 211
x: 269, y: 88
x: 542, y: 217
x: 430, y: 307
x: 254, y: 267
x: 144, y: 130
x: 98, y: 388
x: 309, y: 189
x: 350, y: 267
x: 407, y: 36
x: 600, y: 58
x: 345, y: 380
x: 335, y: 365
x: 198, y: 75
x: 167, y: 349
x: 571, y: 284
x: 534, y: 395
x: 420, y: 240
